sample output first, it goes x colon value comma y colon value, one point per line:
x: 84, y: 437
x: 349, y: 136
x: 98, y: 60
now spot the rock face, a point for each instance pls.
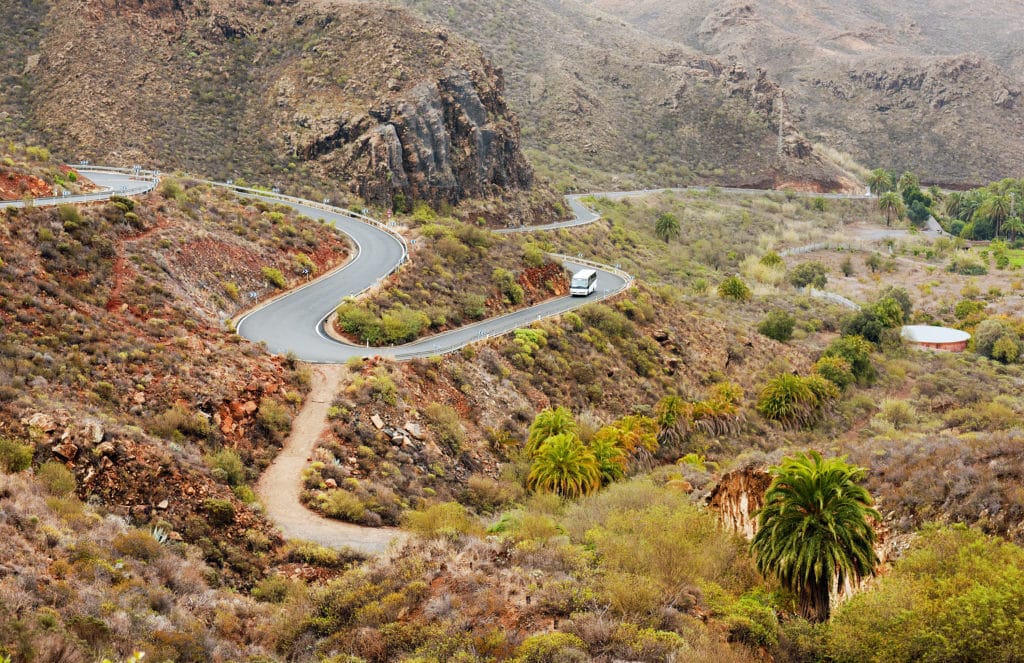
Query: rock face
x: 441, y: 142
x: 353, y: 95
x: 738, y: 496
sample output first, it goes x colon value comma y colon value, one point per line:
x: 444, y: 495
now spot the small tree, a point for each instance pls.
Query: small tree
x: 777, y: 325
x: 891, y: 204
x: 814, y: 531
x: 565, y: 466
x: 667, y: 227
x: 811, y: 273
x: 734, y: 288
x: 548, y: 423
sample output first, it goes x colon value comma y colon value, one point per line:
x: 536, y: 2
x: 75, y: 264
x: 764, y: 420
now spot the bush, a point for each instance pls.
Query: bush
x: 955, y: 596
x: 274, y: 277
x: 445, y: 423
x: 554, y: 647
x: 219, y: 512
x: 966, y: 265
x: 274, y: 418
x: 226, y: 466
x: 137, y: 543
x: 447, y: 520
x: 857, y: 353
x: 811, y: 273
x: 14, y: 456
x: 793, y: 400
x: 734, y: 288
x: 273, y: 589
x: 777, y: 325
x: 753, y: 622
x: 996, y: 339
x: 56, y: 479
x: 342, y: 505
x: 836, y: 370
x: 897, y: 413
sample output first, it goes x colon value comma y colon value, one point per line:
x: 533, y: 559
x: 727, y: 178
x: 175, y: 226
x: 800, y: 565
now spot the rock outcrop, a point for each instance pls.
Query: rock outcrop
x: 348, y: 97
x: 443, y: 140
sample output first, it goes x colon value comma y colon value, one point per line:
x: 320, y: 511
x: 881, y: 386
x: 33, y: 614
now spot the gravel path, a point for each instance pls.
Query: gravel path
x: 281, y: 483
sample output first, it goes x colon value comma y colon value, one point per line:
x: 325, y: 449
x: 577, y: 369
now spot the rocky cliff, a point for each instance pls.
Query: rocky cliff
x: 325, y: 98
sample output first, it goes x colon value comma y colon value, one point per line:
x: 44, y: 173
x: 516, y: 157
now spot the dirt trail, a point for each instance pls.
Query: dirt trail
x: 280, y: 485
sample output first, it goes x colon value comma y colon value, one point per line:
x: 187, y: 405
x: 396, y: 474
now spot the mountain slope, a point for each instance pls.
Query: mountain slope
x: 326, y: 97
x: 932, y: 87
x: 617, y: 108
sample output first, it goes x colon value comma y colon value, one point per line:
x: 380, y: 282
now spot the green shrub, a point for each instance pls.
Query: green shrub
x: 14, y: 456
x: 447, y: 520
x: 226, y: 465
x: 752, y: 621
x: 445, y: 423
x: 553, y: 647
x: 219, y: 512
x: 474, y: 306
x: 777, y: 325
x: 836, y: 370
x: 178, y: 421
x: 342, y: 505
x: 56, y: 479
x: 231, y: 290
x: 170, y: 188
x: 996, y: 338
x: 734, y: 288
x: 771, y: 259
x: 967, y: 265
x: 274, y: 277
x: 307, y: 552
x: 137, y: 543
x: 403, y: 324
x: 857, y: 352
x: 954, y: 596
x: 273, y: 589
x: 811, y: 273
x: 274, y: 418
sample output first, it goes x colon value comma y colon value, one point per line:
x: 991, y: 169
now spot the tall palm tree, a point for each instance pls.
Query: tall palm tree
x: 813, y: 530
x: 995, y: 209
x: 880, y: 181
x: 565, y: 466
x: 953, y: 203
x: 969, y: 204
x: 1014, y: 225
x: 667, y: 227
x: 908, y: 180
x: 892, y: 205
x: 549, y: 422
x: 610, y: 455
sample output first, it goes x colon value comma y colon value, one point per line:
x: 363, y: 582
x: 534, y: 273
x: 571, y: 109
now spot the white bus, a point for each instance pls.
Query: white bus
x: 583, y: 283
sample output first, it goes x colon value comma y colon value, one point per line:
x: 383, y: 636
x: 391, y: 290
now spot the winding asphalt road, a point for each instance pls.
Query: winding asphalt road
x: 294, y: 323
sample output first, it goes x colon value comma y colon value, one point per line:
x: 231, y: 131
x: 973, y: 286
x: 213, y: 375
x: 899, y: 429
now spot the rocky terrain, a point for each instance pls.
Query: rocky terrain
x: 929, y: 87
x: 606, y: 106
x: 32, y: 172
x: 118, y: 367
x: 333, y: 99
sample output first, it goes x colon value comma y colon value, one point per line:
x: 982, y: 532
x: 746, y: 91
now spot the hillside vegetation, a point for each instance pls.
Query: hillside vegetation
x: 116, y: 364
